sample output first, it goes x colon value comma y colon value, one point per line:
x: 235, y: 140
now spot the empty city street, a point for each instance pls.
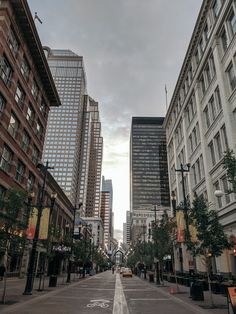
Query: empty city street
x: 107, y: 293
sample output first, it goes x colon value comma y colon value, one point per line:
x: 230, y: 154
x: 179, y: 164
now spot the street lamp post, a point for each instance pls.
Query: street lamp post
x: 157, y: 261
x: 30, y: 274
x: 183, y: 170
x: 68, y: 280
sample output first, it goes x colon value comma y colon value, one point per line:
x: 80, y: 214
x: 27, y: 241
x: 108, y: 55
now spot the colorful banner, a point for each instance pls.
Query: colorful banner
x: 193, y: 233
x: 43, y: 231
x: 180, y: 226
x: 32, y: 224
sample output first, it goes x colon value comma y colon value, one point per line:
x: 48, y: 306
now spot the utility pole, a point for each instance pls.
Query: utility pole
x: 157, y: 263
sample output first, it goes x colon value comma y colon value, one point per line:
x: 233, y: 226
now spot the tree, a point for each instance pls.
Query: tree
x: 230, y: 166
x: 212, y: 240
x: 163, y: 240
x: 14, y: 216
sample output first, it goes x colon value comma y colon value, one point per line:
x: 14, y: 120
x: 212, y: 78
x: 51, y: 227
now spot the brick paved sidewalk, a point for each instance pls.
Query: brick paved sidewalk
x: 15, y: 288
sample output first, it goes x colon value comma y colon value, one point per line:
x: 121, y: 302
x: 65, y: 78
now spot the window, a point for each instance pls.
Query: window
x: 30, y: 114
x: 34, y: 90
x: 213, y: 108
x: 216, y: 7
x: 224, y: 137
x: 212, y: 153
x: 226, y: 189
x: 6, y: 159
x: 43, y: 108
x: 39, y: 129
x: 35, y: 155
x: 20, y: 95
x: 224, y: 40
x: 25, y: 141
x: 2, y: 192
x: 231, y: 76
x: 13, y: 42
x: 6, y: 71
x: 202, y: 84
x: 207, y: 118
x: 30, y: 181
x: 20, y: 169
x: 25, y: 69
x: 2, y: 104
x: 13, y: 125
x: 218, y: 99
x: 219, y: 146
x: 232, y: 22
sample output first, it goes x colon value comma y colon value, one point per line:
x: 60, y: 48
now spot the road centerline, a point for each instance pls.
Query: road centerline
x: 120, y: 305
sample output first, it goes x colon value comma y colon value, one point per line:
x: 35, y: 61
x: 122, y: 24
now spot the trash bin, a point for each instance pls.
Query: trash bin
x: 53, y: 281
x: 196, y: 291
x: 151, y: 277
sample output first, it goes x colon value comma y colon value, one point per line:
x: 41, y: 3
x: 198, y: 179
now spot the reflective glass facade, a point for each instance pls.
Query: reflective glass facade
x: 63, y: 138
x: 148, y: 163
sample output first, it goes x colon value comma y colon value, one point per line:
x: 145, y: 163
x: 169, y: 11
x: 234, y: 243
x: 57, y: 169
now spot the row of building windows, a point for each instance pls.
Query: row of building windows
x: 6, y: 163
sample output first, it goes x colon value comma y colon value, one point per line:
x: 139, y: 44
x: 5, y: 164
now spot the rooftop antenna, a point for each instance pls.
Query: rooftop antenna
x: 37, y: 18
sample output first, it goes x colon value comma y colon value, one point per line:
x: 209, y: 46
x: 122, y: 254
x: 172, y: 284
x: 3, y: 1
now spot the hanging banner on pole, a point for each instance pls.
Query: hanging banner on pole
x: 43, y: 231
x: 32, y: 224
x: 180, y: 226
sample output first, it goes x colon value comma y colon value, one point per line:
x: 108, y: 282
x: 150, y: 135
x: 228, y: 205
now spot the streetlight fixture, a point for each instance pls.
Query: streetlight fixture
x: 40, y: 206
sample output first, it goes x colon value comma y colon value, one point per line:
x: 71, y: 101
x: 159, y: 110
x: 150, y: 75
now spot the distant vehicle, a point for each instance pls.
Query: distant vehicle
x: 122, y: 270
x: 127, y: 272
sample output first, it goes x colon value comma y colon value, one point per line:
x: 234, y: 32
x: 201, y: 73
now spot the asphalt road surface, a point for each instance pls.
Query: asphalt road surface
x: 105, y: 293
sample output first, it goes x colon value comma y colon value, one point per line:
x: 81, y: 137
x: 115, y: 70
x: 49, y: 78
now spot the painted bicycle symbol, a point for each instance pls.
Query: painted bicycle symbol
x: 99, y: 303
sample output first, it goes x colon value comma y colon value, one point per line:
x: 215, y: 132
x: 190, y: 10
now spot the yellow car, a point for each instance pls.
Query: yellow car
x: 127, y: 272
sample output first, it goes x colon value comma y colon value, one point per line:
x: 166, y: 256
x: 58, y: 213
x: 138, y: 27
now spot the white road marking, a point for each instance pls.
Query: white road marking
x: 120, y: 304
x: 159, y: 299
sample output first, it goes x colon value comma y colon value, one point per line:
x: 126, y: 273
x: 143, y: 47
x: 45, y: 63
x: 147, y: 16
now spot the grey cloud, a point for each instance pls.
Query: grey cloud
x: 131, y: 49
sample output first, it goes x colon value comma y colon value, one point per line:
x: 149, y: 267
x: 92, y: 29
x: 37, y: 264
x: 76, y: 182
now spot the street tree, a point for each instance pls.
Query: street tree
x: 163, y: 240
x: 14, y: 215
x: 212, y: 240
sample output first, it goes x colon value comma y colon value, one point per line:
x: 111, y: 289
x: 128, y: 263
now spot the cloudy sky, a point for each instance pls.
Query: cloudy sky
x: 131, y: 49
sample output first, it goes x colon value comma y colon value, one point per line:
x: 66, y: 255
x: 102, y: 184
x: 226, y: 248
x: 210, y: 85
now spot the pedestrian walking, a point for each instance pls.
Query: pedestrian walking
x: 113, y: 269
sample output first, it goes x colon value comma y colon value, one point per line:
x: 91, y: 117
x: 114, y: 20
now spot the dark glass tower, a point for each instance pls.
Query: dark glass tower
x: 149, y: 183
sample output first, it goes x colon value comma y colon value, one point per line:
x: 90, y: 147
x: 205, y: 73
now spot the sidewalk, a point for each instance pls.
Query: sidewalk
x: 184, y: 295
x: 15, y: 288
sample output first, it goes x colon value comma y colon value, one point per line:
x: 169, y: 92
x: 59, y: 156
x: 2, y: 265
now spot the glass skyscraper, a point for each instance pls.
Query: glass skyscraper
x: 149, y: 183
x: 63, y: 137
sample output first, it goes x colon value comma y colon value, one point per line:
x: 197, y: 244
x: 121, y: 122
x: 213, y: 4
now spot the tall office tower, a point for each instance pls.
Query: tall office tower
x: 201, y: 122
x: 107, y: 187
x: 128, y: 225
x: 63, y: 137
x: 149, y: 184
x: 95, y: 162
x: 148, y: 163
x: 124, y: 233
x: 105, y: 215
